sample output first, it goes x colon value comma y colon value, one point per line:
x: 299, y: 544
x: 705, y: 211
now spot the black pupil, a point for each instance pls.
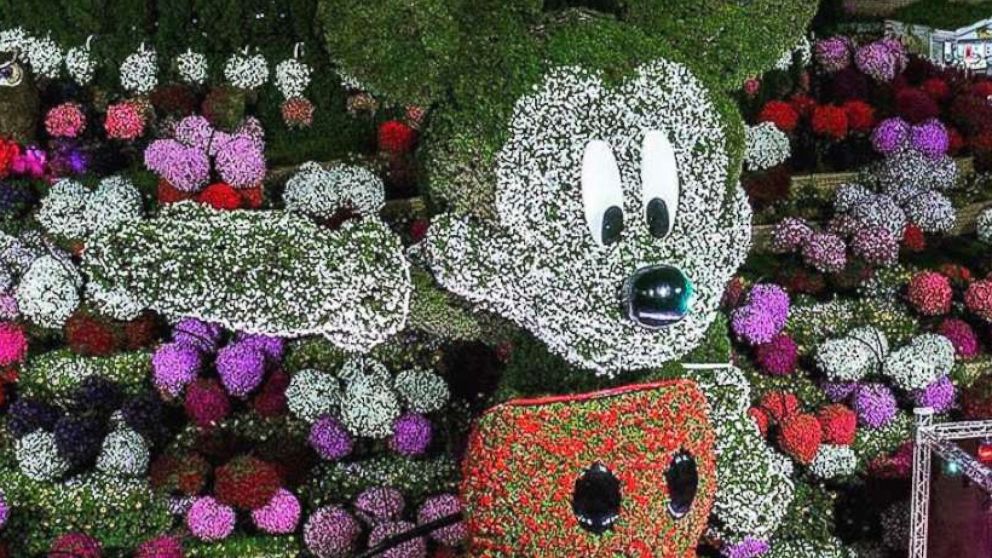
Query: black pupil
x: 683, y: 481
x: 6, y: 72
x: 612, y: 224
x: 596, y: 499
x: 657, y: 214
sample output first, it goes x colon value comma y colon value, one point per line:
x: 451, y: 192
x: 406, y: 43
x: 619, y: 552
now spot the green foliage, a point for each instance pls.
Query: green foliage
x: 417, y: 479
x: 119, y: 513
x: 312, y: 352
x: 436, y: 312
x: 246, y: 546
x: 810, y: 516
x: 54, y: 375
x: 870, y: 443
x: 730, y: 40
x: 534, y: 371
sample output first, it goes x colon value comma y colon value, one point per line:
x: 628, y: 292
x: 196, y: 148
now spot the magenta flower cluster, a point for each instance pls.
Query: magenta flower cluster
x: 209, y: 520
x: 280, y: 516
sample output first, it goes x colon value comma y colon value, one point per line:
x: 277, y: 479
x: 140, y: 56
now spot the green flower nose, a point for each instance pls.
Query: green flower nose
x: 657, y: 296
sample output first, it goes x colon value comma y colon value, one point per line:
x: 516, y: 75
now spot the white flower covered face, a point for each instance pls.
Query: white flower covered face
x: 617, y: 232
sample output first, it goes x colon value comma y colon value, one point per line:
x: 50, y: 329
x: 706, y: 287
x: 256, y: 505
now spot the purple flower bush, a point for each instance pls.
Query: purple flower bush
x: 875, y: 405
x: 763, y: 316
x: 184, y: 159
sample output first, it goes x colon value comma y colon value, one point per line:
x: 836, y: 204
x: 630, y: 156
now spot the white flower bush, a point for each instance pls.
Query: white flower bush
x: 38, y: 457
x: 49, y: 291
x: 61, y: 211
x: 320, y: 192
x: 756, y: 488
x: 292, y: 77
x: 927, y: 358
x: 113, y: 302
x: 271, y: 272
x: 421, y: 390
x: 313, y: 393
x: 854, y: 356
x: 803, y: 50
x: 124, y: 454
x: 80, y: 65
x: 192, y: 67
x: 246, y: 72
x: 766, y: 146
x: 984, y: 226
x: 44, y: 55
x: 13, y: 39
x: 833, y: 461
x: 368, y: 404
x: 72, y: 211
x: 139, y: 71
x: 543, y: 265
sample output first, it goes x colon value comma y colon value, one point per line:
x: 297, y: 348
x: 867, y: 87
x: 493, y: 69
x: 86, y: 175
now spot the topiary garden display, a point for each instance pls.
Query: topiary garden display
x: 439, y: 278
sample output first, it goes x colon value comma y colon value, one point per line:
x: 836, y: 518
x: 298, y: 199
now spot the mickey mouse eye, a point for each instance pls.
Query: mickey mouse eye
x: 602, y: 193
x: 596, y: 499
x: 683, y: 482
x: 659, y: 183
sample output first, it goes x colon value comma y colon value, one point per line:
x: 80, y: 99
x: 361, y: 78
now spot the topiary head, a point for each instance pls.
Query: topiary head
x: 600, y: 146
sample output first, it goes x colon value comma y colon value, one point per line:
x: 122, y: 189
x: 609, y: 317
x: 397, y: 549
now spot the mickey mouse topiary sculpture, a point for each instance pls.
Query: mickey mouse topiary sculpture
x: 588, y: 160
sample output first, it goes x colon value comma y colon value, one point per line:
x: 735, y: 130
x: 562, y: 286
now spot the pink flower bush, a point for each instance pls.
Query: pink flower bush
x: 13, y: 344
x: 209, y: 520
x: 65, y: 121
x: 124, y: 121
x: 280, y: 516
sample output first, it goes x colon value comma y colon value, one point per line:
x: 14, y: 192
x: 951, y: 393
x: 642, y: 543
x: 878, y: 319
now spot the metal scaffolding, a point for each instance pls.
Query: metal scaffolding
x: 938, y: 438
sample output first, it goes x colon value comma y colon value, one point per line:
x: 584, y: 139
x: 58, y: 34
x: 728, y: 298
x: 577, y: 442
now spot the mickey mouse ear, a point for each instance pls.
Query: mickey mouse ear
x: 731, y: 39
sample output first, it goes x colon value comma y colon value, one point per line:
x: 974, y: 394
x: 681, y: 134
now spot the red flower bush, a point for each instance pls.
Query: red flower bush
x: 88, y: 336
x: 936, y: 88
x: 179, y: 473
x: 781, y: 114
x: 246, y: 482
x: 141, y: 331
x: 396, y: 137
x: 220, y: 196
x: 252, y: 197
x: 803, y: 104
x: 913, y: 238
x: 799, y: 437
x: 521, y: 469
x: 779, y: 405
x: 916, y: 106
x: 830, y: 121
x: 167, y: 193
x: 760, y: 418
x: 930, y: 293
x: 838, y: 423
x: 206, y: 402
x: 976, y: 399
x: 860, y: 115
x: 9, y: 151
x: 271, y: 398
